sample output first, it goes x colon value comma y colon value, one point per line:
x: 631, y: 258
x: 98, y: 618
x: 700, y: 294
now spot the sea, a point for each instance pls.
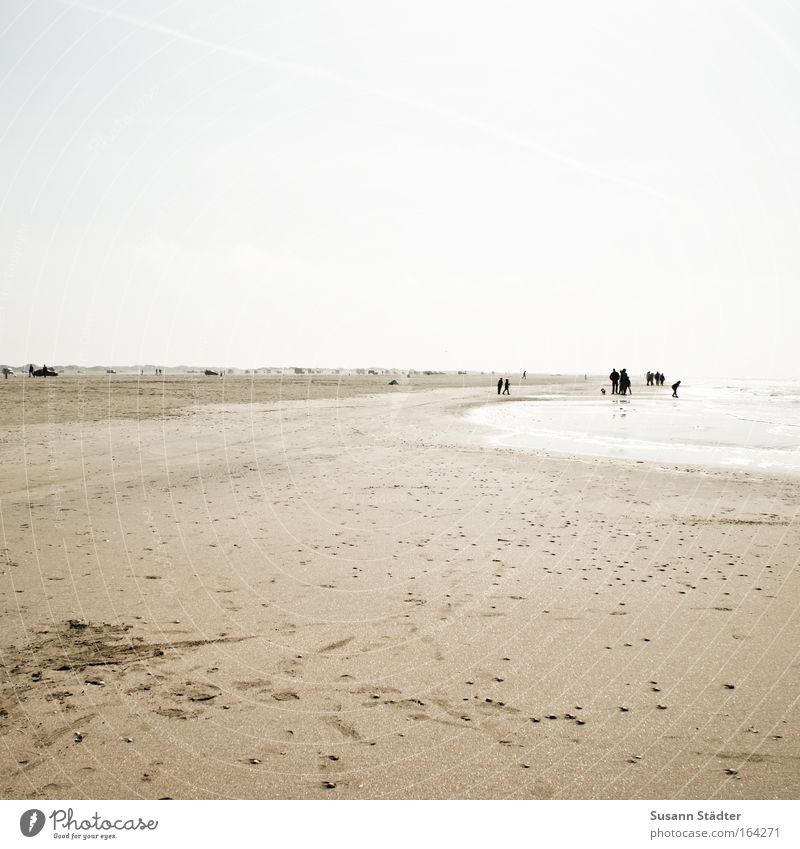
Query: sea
x: 749, y: 425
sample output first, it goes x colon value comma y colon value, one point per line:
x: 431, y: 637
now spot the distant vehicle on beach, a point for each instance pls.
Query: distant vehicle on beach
x: 44, y: 372
x: 7, y: 370
x: 209, y: 373
x: 111, y: 371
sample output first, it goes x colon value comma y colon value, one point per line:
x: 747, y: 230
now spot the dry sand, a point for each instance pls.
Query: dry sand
x: 333, y: 588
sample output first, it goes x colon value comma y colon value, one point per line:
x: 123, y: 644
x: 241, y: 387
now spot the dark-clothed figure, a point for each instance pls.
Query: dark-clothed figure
x: 614, y: 378
x: 500, y: 386
x: 624, y: 383
x: 506, y: 390
x: 30, y: 370
x: 675, y: 389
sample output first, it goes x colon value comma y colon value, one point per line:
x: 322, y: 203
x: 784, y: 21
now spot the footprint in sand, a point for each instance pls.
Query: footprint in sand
x: 285, y: 696
x: 343, y: 728
x: 337, y: 645
x: 197, y: 692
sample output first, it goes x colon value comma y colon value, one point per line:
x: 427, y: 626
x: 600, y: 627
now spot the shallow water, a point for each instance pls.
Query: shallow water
x: 745, y: 425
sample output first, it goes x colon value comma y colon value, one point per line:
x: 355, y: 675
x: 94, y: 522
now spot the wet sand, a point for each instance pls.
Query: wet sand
x: 335, y: 588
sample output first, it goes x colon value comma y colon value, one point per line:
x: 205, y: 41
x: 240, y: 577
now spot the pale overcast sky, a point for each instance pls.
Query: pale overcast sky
x: 557, y: 186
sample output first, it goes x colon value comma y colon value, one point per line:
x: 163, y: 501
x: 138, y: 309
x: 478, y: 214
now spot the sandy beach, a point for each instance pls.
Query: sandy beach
x: 329, y: 587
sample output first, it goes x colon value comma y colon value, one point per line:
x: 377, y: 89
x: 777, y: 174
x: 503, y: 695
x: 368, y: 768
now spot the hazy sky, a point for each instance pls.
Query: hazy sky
x: 557, y: 186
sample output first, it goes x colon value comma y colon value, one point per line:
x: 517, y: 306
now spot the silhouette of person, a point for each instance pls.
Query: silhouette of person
x: 675, y: 389
x: 500, y: 386
x: 624, y: 382
x: 44, y: 370
x: 524, y: 375
x: 614, y: 378
x: 30, y: 370
x: 506, y: 390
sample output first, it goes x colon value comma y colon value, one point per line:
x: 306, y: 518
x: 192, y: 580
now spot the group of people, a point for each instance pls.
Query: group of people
x: 620, y: 382
x: 44, y: 371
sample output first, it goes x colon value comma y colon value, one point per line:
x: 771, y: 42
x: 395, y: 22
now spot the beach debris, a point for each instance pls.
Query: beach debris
x: 333, y: 757
x: 570, y: 716
x: 624, y: 709
x: 661, y: 707
x: 551, y: 716
x: 254, y: 761
x: 126, y: 739
x: 580, y: 722
x: 393, y: 383
x: 729, y: 686
x: 95, y: 682
x: 329, y: 785
x: 733, y: 773
x: 77, y: 737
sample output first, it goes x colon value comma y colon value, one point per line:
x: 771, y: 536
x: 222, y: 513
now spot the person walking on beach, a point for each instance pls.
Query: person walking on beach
x: 614, y: 378
x: 624, y: 382
x: 30, y: 370
x: 500, y: 386
x: 524, y: 375
x: 675, y: 389
x: 506, y: 390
